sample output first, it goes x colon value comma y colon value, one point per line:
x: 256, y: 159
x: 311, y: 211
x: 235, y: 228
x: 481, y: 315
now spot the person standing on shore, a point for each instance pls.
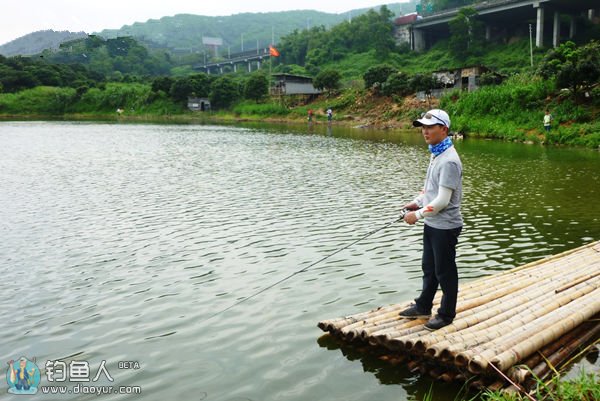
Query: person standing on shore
x: 547, y: 120
x: 438, y: 206
x: 329, y: 114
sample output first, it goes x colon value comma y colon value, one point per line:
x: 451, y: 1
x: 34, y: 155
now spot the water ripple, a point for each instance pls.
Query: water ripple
x: 119, y: 241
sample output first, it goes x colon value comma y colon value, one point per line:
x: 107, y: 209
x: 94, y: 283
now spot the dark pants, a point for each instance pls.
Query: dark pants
x: 439, y: 267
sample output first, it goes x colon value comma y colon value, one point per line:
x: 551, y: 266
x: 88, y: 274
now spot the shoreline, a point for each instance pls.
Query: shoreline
x: 347, y: 120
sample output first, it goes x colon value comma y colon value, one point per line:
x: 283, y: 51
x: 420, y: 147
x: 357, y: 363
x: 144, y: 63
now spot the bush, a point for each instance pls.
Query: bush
x: 224, y: 91
x: 256, y: 87
x: 378, y: 74
x: 39, y: 100
x: 265, y: 109
x: 328, y: 80
x: 127, y: 96
x: 398, y: 83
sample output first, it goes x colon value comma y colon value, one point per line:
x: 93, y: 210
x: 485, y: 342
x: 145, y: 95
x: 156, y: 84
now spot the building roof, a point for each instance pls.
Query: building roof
x: 406, y: 19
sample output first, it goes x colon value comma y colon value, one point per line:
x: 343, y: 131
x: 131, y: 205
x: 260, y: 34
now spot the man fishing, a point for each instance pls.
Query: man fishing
x: 21, y: 377
x: 438, y: 205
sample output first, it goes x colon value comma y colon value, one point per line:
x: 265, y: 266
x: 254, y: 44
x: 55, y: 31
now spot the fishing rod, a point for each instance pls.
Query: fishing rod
x: 402, y: 214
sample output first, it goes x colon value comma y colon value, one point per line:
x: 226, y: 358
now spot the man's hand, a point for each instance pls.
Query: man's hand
x: 411, y: 206
x: 410, y: 218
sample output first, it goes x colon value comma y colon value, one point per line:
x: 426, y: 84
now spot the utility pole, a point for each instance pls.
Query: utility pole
x: 531, y: 44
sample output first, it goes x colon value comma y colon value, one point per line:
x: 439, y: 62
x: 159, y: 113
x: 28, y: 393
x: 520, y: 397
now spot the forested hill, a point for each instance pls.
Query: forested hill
x: 185, y: 31
x: 36, y: 42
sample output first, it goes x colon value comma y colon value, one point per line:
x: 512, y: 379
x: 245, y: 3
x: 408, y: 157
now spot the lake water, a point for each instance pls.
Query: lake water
x: 125, y: 242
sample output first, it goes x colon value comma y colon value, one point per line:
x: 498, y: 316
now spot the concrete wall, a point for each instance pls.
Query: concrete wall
x: 295, y: 88
x: 402, y: 34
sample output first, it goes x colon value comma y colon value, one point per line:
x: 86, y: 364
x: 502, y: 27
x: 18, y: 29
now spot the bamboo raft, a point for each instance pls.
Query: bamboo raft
x: 509, y: 329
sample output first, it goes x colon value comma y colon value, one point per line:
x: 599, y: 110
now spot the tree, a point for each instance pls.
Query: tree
x: 378, y: 74
x: 382, y: 33
x: 398, y: 83
x: 423, y: 82
x: 429, y: 6
x: 489, y: 78
x: 574, y: 68
x: 328, y: 80
x: 194, y: 85
x: 466, y: 33
x: 224, y: 91
x: 317, y: 46
x: 257, y: 87
x: 162, y: 84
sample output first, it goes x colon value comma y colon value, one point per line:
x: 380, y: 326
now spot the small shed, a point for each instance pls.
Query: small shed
x: 464, y: 78
x: 289, y: 84
x: 198, y: 104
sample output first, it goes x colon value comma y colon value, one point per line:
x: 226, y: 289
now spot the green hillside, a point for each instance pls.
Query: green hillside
x: 184, y: 32
x: 36, y: 42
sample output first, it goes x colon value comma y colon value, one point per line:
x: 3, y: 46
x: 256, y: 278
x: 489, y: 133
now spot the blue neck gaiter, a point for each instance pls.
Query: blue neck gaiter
x: 440, y: 147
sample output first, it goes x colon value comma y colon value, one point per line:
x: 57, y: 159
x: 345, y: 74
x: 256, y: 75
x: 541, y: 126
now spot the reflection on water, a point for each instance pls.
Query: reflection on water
x: 120, y: 241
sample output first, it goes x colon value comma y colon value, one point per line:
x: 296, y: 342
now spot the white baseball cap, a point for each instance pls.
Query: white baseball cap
x: 433, y: 117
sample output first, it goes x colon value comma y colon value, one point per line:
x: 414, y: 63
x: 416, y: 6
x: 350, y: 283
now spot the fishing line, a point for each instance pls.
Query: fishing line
x: 402, y: 213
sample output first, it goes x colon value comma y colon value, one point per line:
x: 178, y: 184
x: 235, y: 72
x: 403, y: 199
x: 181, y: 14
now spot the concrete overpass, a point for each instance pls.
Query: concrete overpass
x: 246, y: 59
x: 498, y: 14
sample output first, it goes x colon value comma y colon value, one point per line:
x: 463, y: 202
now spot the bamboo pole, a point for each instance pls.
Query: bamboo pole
x: 512, y: 348
x: 491, y: 340
x: 580, y: 280
x: 408, y: 342
x: 559, y: 356
x: 501, y: 320
x: 468, y: 288
x: 504, y: 319
x: 519, y: 373
x: 502, y: 314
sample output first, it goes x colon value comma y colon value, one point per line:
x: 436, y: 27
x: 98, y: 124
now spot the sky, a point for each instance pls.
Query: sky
x: 26, y: 16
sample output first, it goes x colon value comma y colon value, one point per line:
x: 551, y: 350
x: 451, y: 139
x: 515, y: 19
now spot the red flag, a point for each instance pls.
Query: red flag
x: 273, y: 51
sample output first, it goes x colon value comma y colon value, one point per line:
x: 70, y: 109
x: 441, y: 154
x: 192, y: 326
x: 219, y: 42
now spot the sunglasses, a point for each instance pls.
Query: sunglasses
x: 429, y: 116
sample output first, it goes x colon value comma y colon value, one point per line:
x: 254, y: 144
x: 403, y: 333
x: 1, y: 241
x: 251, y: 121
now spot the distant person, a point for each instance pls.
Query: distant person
x: 310, y: 115
x: 329, y: 114
x: 547, y: 121
x: 438, y: 206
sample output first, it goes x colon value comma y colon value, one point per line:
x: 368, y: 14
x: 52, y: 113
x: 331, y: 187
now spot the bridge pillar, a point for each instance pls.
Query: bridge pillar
x: 249, y: 66
x: 539, y: 27
x: 591, y: 14
x: 573, y: 27
x: 258, y: 64
x: 488, y: 32
x: 418, y: 40
x: 221, y: 70
x: 234, y: 67
x: 556, y: 30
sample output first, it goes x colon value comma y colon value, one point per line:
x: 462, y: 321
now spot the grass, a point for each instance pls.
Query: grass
x: 514, y: 111
x: 510, y: 111
x: 586, y: 387
x: 42, y: 100
x: 268, y: 109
